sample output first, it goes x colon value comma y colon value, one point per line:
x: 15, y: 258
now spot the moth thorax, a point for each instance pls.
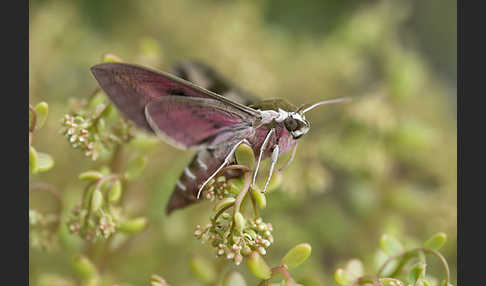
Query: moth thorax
x: 297, y: 125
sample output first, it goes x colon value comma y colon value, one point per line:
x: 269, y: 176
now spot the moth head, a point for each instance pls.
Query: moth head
x: 296, y: 124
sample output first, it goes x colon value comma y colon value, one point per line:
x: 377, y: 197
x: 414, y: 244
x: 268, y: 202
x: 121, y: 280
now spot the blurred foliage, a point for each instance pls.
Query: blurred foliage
x: 385, y: 163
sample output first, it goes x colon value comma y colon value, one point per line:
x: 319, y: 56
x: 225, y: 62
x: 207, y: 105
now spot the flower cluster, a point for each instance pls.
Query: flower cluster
x: 228, y: 241
x: 218, y: 188
x: 42, y: 230
x: 93, y: 226
x: 94, y: 126
x: 77, y: 130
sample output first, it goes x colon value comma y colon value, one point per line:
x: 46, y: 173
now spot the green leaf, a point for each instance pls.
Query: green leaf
x: 203, y: 269
x: 354, y: 269
x: 436, y: 241
x: 96, y: 200
x: 44, y: 162
x: 224, y: 203
x: 258, y: 266
x: 234, y: 278
x: 133, y: 226
x: 240, y: 222
x: 235, y: 185
x: 115, y: 192
x: 416, y: 273
x: 83, y: 267
x: 42, y: 110
x: 135, y: 168
x: 110, y: 58
x: 244, y: 155
x: 341, y: 277
x: 296, y: 256
x: 90, y: 175
x: 390, y: 245
x: 33, y: 159
x: 259, y: 197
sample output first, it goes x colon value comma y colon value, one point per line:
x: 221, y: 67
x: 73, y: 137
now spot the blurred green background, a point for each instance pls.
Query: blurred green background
x: 385, y: 163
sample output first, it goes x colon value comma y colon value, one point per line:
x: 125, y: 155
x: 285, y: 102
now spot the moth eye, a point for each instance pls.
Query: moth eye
x: 291, y: 124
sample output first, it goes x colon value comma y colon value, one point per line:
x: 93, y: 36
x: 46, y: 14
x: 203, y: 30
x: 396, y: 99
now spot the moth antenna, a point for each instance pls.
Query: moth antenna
x: 337, y: 100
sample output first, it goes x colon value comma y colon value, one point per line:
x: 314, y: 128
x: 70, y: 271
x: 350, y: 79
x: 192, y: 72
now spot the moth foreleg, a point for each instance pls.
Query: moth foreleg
x: 262, y: 149
x: 272, y: 166
x: 290, y: 159
x: 226, y: 161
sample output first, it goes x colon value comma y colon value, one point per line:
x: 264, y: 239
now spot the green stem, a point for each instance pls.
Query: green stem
x: 413, y: 251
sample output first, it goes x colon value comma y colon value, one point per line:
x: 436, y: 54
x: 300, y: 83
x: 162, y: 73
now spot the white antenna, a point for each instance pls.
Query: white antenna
x: 337, y: 100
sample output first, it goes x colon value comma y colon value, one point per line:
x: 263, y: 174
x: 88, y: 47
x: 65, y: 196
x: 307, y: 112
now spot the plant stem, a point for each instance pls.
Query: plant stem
x: 410, y: 253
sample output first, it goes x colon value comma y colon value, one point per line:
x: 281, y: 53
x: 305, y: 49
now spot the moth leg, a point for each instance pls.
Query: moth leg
x: 272, y: 166
x: 262, y: 149
x: 225, y: 162
x: 290, y: 159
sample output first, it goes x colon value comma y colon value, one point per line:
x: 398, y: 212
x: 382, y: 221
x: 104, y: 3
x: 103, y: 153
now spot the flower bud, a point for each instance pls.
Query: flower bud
x: 244, y: 155
x: 134, y: 225
x: 296, y: 255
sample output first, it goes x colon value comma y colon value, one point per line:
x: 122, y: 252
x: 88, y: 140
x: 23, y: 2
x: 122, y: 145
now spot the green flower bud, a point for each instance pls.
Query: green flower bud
x: 244, y: 155
x: 33, y: 160
x: 296, y: 255
x: 258, y: 266
x: 90, y: 175
x: 224, y: 203
x: 240, y: 222
x: 115, y: 192
x: 203, y: 269
x: 83, y: 267
x: 132, y: 226
x: 436, y: 241
x: 259, y: 197
x: 96, y: 200
x: 234, y: 278
x: 390, y: 245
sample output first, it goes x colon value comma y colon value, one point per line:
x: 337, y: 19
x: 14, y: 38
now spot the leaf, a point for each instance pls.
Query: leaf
x: 240, y: 222
x: 83, y: 267
x: 33, y: 159
x: 203, y: 269
x: 341, y: 277
x: 96, y: 200
x: 135, y: 168
x: 354, y: 269
x: 234, y: 278
x: 390, y: 245
x: 44, y: 162
x: 42, y: 110
x: 133, y: 226
x: 297, y: 255
x: 224, y: 203
x: 436, y: 241
x: 114, y: 194
x: 110, y: 58
x: 416, y: 273
x: 258, y: 266
x: 90, y: 175
x: 244, y: 155
x: 259, y: 197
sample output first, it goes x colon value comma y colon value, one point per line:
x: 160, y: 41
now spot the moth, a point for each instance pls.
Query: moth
x: 194, y: 107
